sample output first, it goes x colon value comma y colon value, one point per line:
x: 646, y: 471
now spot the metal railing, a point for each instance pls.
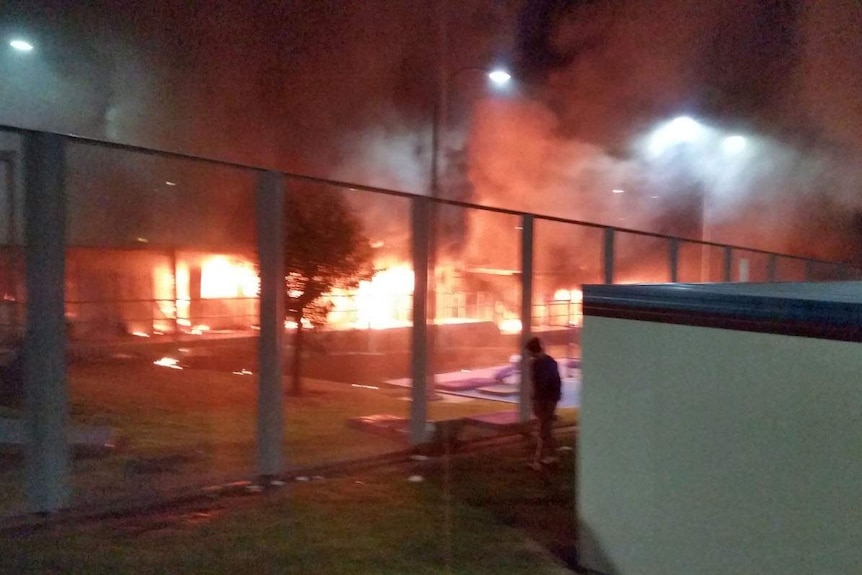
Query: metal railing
x: 522, y: 287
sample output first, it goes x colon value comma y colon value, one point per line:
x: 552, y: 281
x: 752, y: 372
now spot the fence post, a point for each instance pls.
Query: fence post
x: 526, y: 314
x: 809, y: 270
x: 270, y: 402
x: 772, y: 268
x: 420, y: 240
x: 673, y: 256
x: 608, y: 255
x: 47, y: 453
x: 176, y: 295
x: 728, y: 264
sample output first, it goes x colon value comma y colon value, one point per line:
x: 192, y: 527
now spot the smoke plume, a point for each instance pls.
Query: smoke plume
x: 763, y: 160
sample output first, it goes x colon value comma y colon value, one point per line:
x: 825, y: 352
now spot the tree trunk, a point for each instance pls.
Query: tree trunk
x: 296, y: 379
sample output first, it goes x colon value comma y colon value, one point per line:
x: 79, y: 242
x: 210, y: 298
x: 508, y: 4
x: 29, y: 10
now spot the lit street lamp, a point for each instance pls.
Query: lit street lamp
x: 733, y: 144
x: 426, y: 282
x: 497, y: 76
x: 687, y: 138
x: 21, y: 45
x: 699, y: 145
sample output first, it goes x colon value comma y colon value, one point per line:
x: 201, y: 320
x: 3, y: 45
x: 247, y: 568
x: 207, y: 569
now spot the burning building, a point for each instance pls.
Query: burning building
x: 159, y: 260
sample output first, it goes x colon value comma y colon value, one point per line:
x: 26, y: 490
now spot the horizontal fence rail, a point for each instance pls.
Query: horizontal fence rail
x: 409, y: 195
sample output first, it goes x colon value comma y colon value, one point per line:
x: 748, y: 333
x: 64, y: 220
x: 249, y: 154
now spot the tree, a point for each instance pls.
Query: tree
x: 325, y: 248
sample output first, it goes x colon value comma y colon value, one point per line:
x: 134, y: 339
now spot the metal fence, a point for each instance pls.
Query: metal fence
x: 115, y: 244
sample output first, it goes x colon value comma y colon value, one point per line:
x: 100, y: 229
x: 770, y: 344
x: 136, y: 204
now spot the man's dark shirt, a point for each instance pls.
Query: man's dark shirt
x: 546, y: 379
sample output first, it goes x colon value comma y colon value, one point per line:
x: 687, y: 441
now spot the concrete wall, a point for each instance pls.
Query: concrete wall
x: 712, y: 451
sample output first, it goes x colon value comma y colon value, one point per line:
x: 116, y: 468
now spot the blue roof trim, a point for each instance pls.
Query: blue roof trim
x: 832, y: 311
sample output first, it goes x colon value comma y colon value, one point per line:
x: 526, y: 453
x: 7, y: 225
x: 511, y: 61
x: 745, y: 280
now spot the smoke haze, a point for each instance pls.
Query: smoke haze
x: 778, y: 74
x: 346, y: 90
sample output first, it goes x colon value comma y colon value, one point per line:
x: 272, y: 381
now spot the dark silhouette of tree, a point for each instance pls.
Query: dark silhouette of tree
x: 325, y: 249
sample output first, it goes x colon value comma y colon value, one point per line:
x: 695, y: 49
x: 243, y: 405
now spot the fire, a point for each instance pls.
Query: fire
x: 182, y: 293
x: 223, y: 277
x: 564, y: 309
x: 290, y: 324
x: 510, y: 325
x: 382, y: 302
x: 634, y: 280
x: 572, y: 295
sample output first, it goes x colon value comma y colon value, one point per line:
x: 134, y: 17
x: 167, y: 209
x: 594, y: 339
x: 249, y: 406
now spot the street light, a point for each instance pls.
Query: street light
x: 688, y: 139
x: 21, y: 45
x: 697, y: 140
x: 497, y: 76
x: 680, y: 130
x: 733, y: 144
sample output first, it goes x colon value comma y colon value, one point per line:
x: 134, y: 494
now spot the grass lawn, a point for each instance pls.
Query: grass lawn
x: 182, y: 427
x: 478, y: 511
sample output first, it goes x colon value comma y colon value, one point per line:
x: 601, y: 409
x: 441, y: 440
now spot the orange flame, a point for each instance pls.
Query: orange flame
x: 223, y: 277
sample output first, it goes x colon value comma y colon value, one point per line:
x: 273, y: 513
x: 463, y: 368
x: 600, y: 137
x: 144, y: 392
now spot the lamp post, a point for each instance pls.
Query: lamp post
x: 497, y: 76
x: 424, y: 254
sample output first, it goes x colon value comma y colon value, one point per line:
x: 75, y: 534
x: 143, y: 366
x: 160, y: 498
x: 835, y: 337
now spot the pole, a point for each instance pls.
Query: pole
x: 673, y: 256
x: 526, y: 314
x: 772, y: 268
x: 8, y: 159
x: 47, y: 459
x: 728, y: 264
x: 428, y: 231
x: 419, y: 207
x: 270, y: 398
x: 441, y: 101
x: 608, y: 255
x: 176, y: 295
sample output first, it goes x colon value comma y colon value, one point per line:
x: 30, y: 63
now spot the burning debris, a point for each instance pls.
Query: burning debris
x: 170, y: 362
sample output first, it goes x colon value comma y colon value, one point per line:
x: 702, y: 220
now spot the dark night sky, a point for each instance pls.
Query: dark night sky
x: 345, y: 90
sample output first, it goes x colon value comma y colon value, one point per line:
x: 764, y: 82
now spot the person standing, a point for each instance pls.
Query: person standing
x: 546, y: 386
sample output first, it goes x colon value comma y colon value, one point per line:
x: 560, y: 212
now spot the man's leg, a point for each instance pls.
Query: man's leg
x: 549, y: 444
x: 539, y: 441
x: 539, y: 412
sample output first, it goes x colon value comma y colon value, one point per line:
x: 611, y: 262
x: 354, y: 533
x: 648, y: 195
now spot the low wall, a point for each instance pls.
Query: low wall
x: 707, y: 450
